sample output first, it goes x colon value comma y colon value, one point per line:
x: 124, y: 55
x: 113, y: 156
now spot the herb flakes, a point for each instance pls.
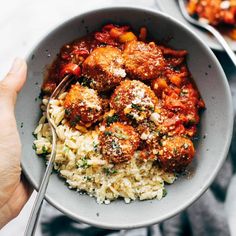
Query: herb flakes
x: 109, y: 171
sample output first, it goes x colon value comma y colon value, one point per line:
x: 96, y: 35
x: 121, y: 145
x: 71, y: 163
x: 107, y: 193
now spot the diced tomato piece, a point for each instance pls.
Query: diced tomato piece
x: 172, y: 121
x: 229, y: 17
x: 105, y: 38
x: 80, y: 52
x: 108, y: 27
x: 173, y: 103
x: 191, y: 131
x: 201, y: 104
x: 116, y: 32
x: 65, y: 56
x: 143, y: 34
x: 72, y: 69
x: 110, y: 34
x: 111, y: 26
x: 180, y: 129
x: 176, y: 80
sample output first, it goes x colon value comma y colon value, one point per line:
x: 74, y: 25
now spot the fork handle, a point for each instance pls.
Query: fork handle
x: 32, y: 223
x: 223, y: 43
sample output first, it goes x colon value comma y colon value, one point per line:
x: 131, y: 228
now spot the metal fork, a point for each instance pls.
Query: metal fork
x: 33, y: 219
x: 207, y: 27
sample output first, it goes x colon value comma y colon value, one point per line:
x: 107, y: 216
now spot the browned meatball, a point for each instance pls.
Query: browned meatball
x: 176, y: 153
x: 150, y: 135
x: 82, y: 106
x: 134, y: 100
x: 119, y: 142
x: 143, y: 61
x: 105, y: 67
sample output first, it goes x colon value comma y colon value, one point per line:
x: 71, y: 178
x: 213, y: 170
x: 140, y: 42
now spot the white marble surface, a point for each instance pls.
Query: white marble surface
x: 22, y: 23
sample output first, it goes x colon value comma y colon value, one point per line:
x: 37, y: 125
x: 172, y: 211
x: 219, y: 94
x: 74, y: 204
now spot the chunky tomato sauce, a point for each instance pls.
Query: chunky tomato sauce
x: 138, y: 93
x: 219, y: 13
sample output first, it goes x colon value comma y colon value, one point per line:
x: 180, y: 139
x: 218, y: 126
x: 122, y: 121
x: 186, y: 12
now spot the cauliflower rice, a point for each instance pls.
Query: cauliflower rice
x: 80, y: 162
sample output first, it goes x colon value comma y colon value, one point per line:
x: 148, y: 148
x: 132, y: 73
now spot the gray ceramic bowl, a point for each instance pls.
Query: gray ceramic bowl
x: 214, y: 132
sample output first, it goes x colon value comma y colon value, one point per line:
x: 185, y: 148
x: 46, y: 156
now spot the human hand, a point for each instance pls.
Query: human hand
x: 14, y: 190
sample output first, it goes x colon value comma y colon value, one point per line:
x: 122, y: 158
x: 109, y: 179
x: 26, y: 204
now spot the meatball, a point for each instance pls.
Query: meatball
x: 104, y: 67
x: 82, y: 106
x: 149, y: 139
x: 143, y: 61
x: 150, y: 134
x: 134, y: 100
x: 176, y: 153
x: 118, y: 142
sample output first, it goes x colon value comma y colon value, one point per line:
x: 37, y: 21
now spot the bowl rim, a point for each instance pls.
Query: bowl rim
x: 204, y: 187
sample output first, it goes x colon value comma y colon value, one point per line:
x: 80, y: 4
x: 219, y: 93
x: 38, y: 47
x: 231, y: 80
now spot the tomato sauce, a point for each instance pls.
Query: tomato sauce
x: 219, y: 13
x: 144, y: 84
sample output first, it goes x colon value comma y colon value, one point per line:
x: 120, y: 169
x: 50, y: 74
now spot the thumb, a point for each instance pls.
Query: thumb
x: 12, y: 84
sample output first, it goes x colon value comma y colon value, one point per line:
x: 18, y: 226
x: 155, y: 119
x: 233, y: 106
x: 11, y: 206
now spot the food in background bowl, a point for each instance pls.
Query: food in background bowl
x: 125, y: 126
x: 219, y: 13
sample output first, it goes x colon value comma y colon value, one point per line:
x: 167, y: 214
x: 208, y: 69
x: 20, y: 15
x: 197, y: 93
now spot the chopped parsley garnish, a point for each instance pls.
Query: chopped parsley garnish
x: 117, y: 98
x: 152, y: 109
x: 67, y: 112
x: 158, y: 132
x: 44, y: 152
x: 107, y: 132
x: 175, y: 151
x: 83, y: 163
x: 121, y: 136
x: 95, y: 146
x: 44, y: 149
x: 112, y: 119
x: 86, y: 82
x: 73, y: 123
x: 77, y: 118
x: 115, y: 145
x: 136, y: 107
x: 164, y: 192
x: 109, y: 171
x: 34, y: 146
x: 88, y: 178
x: 192, y: 121
x: 129, y: 116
